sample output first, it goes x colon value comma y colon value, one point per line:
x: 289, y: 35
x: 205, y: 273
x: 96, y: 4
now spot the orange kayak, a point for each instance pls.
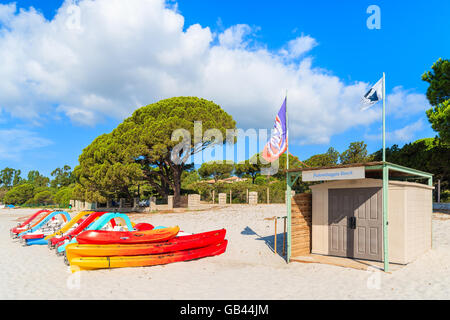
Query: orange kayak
x: 126, y: 237
x: 199, y: 240
x: 89, y: 263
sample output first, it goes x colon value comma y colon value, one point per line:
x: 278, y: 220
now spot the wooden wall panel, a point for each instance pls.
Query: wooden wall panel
x: 301, y: 214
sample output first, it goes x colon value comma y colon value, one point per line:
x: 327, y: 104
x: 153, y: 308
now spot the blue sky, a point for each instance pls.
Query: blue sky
x: 45, y: 126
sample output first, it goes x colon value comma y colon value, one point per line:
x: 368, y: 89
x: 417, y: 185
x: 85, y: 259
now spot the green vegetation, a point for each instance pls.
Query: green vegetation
x: 429, y: 155
x: 216, y: 170
x: 139, y: 150
x: 356, y: 153
x: 248, y: 169
x: 438, y: 94
x: 36, y: 190
x: 330, y: 158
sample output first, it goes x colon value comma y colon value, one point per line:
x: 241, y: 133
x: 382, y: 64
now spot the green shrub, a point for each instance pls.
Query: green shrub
x: 19, y: 194
x: 445, y: 196
x: 43, y: 197
x: 64, y: 195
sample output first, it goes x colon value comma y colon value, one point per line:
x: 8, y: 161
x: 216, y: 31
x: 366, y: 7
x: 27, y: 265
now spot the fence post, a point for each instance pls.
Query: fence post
x: 170, y: 202
x: 275, y: 245
x: 152, y: 203
x: 439, y: 191
x: 284, y: 237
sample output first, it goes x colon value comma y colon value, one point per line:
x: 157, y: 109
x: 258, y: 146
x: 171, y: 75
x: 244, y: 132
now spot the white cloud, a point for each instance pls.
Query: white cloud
x: 299, y: 46
x: 402, y: 135
x: 234, y: 36
x: 403, y: 103
x: 13, y: 142
x: 7, y: 13
x: 105, y: 58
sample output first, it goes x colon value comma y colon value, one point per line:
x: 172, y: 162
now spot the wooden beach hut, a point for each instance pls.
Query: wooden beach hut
x: 369, y: 211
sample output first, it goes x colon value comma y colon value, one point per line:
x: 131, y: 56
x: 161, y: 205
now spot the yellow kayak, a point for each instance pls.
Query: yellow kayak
x: 90, y: 263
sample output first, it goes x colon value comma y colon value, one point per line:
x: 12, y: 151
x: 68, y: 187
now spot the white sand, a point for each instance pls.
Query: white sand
x: 248, y: 269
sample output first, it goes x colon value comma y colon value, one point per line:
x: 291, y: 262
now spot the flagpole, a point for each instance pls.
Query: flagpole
x: 287, y: 136
x: 384, y: 119
x: 385, y: 187
x: 288, y: 189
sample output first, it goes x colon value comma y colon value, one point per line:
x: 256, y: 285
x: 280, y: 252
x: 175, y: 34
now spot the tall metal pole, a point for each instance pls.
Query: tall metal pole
x: 288, y: 190
x: 384, y: 118
x: 287, y: 136
x: 385, y: 186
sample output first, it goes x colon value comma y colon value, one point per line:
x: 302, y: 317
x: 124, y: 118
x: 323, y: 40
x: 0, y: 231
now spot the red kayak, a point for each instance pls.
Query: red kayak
x: 127, y: 237
x: 83, y: 225
x: 179, y: 243
x: 33, y: 236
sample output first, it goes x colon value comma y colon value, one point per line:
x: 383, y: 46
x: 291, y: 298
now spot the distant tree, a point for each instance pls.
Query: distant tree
x: 188, y: 178
x: 43, y: 197
x: 37, y: 180
x: 330, y: 158
x: 3, y: 192
x: 438, y: 94
x: 429, y: 155
x: 64, y: 195
x: 248, y: 168
x: 216, y: 170
x: 17, y: 178
x: 356, y: 153
x: 7, y: 176
x: 62, y: 177
x: 19, y: 194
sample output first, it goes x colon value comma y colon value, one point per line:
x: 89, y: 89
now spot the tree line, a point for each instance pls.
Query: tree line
x: 139, y: 157
x: 37, y: 189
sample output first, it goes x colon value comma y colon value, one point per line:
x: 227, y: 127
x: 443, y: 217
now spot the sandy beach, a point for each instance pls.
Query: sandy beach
x: 248, y: 270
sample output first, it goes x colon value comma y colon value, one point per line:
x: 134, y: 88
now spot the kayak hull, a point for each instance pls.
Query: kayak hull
x: 126, y: 237
x: 40, y: 242
x: 90, y: 263
x: 179, y: 243
x: 33, y: 236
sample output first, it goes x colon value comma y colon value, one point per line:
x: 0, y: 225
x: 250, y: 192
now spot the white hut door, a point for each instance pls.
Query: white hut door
x: 339, y: 211
x: 368, y: 236
x: 355, y: 223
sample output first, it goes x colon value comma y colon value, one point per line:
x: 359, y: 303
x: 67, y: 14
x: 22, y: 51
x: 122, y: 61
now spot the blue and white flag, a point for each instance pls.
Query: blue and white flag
x: 372, y: 96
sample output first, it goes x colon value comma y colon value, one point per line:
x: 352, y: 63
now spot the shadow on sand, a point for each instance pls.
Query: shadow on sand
x: 269, y: 240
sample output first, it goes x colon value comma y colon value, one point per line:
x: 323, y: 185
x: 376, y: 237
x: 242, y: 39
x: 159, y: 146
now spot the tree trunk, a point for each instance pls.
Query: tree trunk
x: 177, y: 170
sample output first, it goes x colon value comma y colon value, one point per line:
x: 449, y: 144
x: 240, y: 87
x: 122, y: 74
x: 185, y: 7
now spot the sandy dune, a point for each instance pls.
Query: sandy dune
x: 248, y: 270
